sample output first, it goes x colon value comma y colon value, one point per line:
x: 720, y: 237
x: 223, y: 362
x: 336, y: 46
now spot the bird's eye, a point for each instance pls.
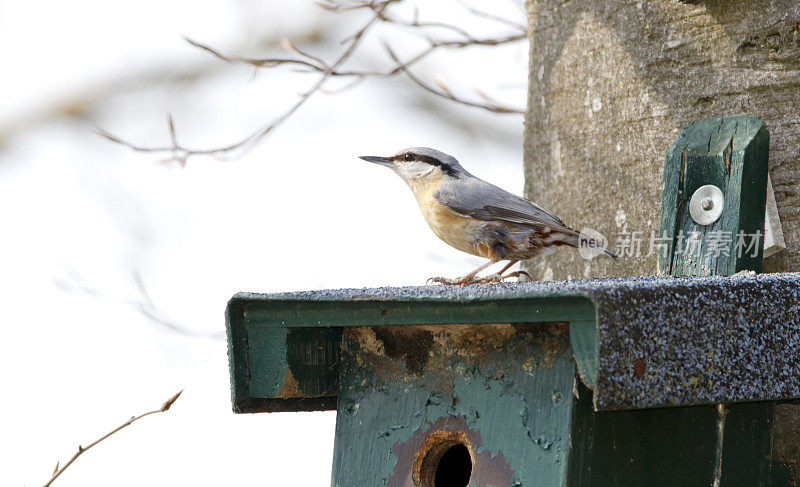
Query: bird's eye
x: 408, y: 157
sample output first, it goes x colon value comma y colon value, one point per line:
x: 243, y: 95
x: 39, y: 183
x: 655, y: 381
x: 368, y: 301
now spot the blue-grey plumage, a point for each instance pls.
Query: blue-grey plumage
x: 477, y: 217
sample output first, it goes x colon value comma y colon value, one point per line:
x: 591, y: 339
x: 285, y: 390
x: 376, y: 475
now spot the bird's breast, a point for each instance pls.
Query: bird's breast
x: 462, y: 232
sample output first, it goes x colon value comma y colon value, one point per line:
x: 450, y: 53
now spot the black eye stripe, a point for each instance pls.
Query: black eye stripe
x: 410, y: 156
x: 430, y: 160
x: 446, y: 168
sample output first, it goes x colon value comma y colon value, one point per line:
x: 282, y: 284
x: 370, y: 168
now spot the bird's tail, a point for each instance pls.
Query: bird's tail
x: 573, y: 238
x: 591, y: 243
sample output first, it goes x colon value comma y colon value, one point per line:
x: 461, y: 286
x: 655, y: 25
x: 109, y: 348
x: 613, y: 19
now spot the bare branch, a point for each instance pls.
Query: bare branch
x: 445, y: 92
x: 259, y: 63
x: 256, y: 136
x: 486, y: 15
x: 322, y: 67
x: 176, y: 155
x: 339, y: 5
x: 416, y: 23
x: 289, y: 46
x: 82, y: 449
x: 143, y: 305
x: 308, y: 62
x: 436, y: 45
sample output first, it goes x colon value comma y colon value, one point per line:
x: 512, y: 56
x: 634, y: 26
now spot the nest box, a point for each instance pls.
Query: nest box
x: 644, y: 381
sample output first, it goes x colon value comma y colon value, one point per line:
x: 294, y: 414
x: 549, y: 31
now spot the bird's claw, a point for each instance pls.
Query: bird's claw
x: 464, y: 281
x: 517, y: 274
x: 458, y: 281
x: 448, y: 282
x: 490, y: 279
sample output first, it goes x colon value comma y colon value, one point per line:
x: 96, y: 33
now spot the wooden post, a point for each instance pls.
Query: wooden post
x: 730, y: 153
x: 723, y: 445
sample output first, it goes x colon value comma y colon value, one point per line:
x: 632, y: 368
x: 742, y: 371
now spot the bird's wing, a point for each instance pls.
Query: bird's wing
x: 484, y: 201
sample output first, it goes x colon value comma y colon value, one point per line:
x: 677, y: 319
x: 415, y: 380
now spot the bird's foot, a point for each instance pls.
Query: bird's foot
x: 466, y: 280
x: 458, y: 281
x: 495, y: 278
x: 490, y: 279
x: 517, y: 274
x: 448, y: 282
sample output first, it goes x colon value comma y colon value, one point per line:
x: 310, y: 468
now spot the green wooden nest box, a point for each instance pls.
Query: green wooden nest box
x: 646, y: 381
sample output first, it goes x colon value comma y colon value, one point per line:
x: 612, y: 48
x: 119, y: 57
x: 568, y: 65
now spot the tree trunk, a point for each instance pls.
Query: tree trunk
x: 611, y: 85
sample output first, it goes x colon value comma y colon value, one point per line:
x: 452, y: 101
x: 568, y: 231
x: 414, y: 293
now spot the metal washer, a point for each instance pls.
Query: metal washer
x: 706, y: 204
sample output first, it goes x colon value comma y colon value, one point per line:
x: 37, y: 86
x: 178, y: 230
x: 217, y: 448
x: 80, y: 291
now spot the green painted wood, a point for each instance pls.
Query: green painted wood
x: 730, y: 153
x: 273, y: 352
x: 238, y: 362
x: 282, y: 314
x: 675, y: 446
x: 642, y: 324
x: 653, y: 447
x: 583, y: 336
x: 701, y: 445
x: 285, y: 354
x: 294, y: 362
x: 400, y: 385
x: 782, y: 475
x: 312, y: 354
x: 267, y: 355
x: 747, y: 445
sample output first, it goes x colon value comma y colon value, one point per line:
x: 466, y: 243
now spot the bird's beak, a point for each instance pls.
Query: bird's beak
x: 383, y: 161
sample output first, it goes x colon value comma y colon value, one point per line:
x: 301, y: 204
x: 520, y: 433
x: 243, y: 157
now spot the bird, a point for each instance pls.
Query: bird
x: 477, y: 217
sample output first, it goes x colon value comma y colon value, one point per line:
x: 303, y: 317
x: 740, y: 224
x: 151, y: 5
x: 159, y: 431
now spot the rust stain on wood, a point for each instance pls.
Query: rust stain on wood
x: 416, y: 349
x: 289, y: 388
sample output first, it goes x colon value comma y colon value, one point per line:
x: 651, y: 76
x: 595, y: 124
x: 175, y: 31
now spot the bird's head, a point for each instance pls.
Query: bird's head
x: 419, y: 163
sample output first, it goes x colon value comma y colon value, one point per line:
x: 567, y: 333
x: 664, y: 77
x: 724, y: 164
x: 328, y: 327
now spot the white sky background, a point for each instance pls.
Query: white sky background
x: 298, y: 212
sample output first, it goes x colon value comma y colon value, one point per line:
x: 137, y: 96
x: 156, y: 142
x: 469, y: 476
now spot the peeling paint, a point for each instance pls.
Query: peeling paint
x: 470, y: 389
x: 488, y: 469
x: 289, y: 387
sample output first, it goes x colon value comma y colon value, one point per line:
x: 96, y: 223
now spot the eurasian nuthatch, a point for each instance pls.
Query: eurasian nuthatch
x: 477, y: 217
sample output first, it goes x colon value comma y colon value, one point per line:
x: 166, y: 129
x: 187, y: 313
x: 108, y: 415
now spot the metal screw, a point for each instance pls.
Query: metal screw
x: 707, y: 204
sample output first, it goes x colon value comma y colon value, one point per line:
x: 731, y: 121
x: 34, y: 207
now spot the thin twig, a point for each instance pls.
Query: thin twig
x: 416, y: 23
x: 289, y: 46
x: 82, y: 449
x: 444, y: 91
x: 181, y: 153
x: 496, y: 18
x: 322, y: 67
x: 338, y: 5
x: 308, y: 62
x: 259, y: 63
x: 143, y: 305
x: 174, y: 137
